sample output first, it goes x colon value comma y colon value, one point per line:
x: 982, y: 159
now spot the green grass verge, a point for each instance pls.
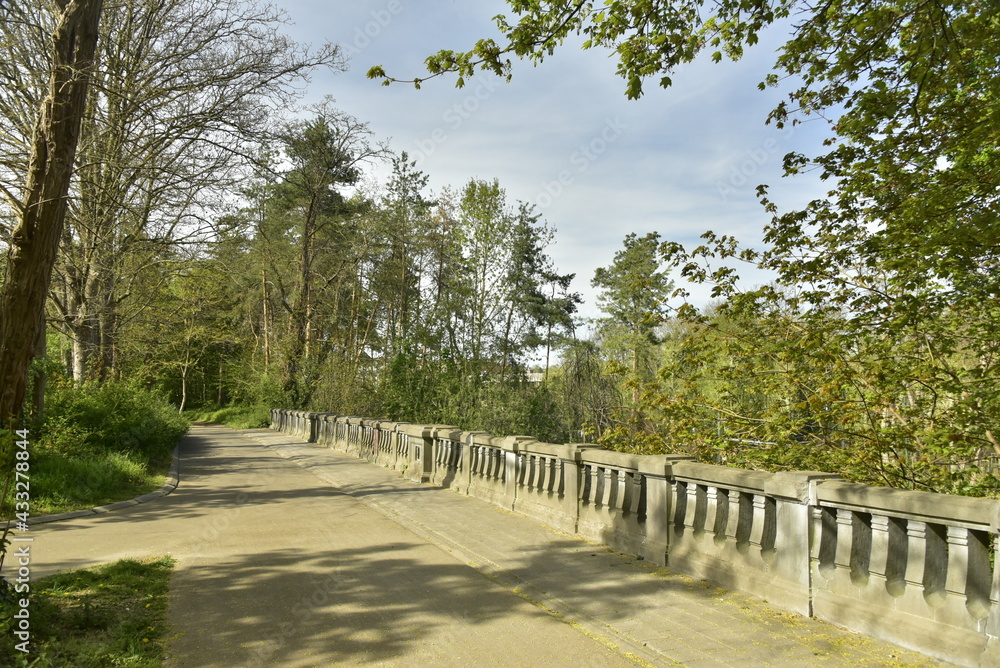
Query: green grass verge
x: 61, y: 482
x: 113, y: 615
x: 237, y: 417
x: 96, y: 444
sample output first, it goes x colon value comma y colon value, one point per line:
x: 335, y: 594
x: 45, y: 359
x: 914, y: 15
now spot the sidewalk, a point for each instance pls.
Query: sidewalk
x: 290, y: 554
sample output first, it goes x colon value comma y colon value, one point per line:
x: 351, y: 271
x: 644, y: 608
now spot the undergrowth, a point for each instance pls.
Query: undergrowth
x: 235, y: 416
x: 112, y: 615
x: 98, y: 444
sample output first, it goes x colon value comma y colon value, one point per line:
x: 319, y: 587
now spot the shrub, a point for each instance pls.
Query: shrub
x: 111, y: 417
x: 237, y: 417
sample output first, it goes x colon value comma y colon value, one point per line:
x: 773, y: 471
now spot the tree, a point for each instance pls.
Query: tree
x: 634, y: 294
x: 909, y: 92
x: 590, y: 400
x: 192, y: 323
x: 42, y: 206
x: 184, y: 95
x: 326, y: 153
x: 539, y: 292
x: 405, y: 226
x: 890, y: 279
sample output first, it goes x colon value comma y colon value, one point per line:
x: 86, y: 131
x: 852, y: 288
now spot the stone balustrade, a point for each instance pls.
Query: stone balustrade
x: 915, y: 568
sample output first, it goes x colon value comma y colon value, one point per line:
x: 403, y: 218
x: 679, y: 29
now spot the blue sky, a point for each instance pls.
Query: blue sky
x: 563, y: 136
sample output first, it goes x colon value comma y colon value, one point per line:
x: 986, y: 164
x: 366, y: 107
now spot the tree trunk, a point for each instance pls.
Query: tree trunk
x: 40, y: 378
x: 84, y: 334
x: 184, y: 388
x: 299, y: 315
x: 267, y: 323
x: 35, y: 240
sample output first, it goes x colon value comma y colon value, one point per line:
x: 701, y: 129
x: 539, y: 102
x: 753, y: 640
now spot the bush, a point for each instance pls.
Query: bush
x: 111, y: 417
x: 71, y: 482
x: 98, y: 444
x: 237, y: 417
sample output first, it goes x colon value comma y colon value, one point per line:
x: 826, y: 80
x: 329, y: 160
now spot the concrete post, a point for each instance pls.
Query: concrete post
x: 795, y: 496
x: 465, y: 481
x: 420, y: 437
x: 657, y: 473
x: 443, y: 439
x: 510, y: 472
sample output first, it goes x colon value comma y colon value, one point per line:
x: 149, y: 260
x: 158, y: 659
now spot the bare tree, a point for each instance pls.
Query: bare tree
x: 184, y: 95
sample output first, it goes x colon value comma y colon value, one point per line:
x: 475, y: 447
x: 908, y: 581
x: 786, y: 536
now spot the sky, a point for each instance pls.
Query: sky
x: 563, y: 136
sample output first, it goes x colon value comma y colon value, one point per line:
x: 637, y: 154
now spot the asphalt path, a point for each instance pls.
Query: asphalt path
x: 290, y: 554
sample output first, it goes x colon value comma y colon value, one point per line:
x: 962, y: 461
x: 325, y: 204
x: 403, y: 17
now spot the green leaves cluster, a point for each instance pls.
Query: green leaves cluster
x: 874, y: 351
x: 649, y: 37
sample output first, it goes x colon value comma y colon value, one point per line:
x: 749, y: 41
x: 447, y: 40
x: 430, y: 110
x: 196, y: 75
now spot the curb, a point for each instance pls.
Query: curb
x: 170, y: 484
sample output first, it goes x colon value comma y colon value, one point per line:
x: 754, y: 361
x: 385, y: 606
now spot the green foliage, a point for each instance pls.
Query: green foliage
x: 100, y: 443
x: 587, y: 398
x: 518, y: 409
x: 648, y: 38
x: 633, y: 294
x: 66, y: 480
x: 772, y: 390
x: 445, y: 395
x: 113, y: 615
x: 875, y: 351
x: 111, y: 417
x: 235, y: 416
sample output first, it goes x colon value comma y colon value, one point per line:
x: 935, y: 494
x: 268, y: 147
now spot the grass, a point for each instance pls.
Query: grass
x: 62, y: 482
x: 237, y: 416
x: 112, y: 615
x: 97, y: 444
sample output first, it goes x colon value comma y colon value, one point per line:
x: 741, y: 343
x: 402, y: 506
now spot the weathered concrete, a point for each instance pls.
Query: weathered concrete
x: 294, y: 555
x: 909, y: 567
x: 277, y: 567
x: 657, y: 617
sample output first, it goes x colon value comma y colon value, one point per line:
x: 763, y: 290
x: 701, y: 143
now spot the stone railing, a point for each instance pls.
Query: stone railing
x: 914, y: 568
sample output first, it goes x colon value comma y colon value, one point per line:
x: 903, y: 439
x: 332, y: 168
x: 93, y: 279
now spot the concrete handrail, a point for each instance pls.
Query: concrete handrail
x: 915, y: 568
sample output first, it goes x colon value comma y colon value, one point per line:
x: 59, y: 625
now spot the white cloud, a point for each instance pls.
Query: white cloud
x: 682, y: 161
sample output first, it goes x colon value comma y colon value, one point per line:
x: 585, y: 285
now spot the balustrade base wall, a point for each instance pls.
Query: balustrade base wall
x: 913, y: 568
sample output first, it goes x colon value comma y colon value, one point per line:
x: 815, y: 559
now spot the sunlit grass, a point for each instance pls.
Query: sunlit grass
x: 237, y: 417
x: 112, y: 615
x: 62, y: 482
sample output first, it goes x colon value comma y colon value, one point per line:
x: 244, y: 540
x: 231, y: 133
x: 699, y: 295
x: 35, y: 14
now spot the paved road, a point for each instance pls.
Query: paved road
x: 289, y: 554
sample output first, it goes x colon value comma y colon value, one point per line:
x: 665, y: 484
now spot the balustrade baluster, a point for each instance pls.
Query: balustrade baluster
x: 548, y: 474
x: 556, y: 480
x: 596, y: 485
x: 916, y: 552
x: 711, y: 510
x: 691, y: 509
x: 878, y: 562
x: 538, y: 473
x: 495, y: 459
x: 845, y: 538
x: 619, y: 500
x: 759, y: 514
x: 958, y: 560
x: 636, y: 484
x: 733, y: 523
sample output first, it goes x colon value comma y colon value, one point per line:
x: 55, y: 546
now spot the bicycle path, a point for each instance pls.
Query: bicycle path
x: 291, y: 554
